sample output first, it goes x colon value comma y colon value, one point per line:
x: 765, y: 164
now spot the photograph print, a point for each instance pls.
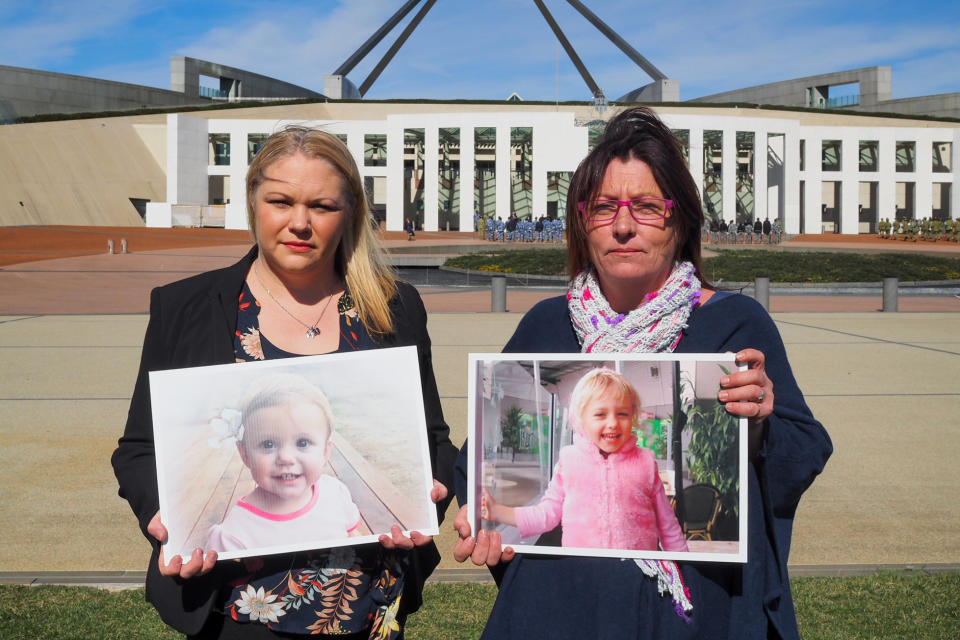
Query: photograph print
x: 312, y: 452
x: 624, y: 455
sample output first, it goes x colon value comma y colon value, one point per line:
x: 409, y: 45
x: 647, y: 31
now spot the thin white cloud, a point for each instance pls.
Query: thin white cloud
x: 47, y: 33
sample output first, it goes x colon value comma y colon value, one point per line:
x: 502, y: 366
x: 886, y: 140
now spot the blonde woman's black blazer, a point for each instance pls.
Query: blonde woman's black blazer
x: 192, y: 324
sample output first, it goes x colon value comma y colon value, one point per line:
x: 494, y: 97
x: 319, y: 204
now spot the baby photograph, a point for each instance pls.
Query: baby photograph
x: 312, y: 452
x: 625, y: 455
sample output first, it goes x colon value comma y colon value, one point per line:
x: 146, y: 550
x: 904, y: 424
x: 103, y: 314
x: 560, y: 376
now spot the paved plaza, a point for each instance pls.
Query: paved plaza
x: 884, y: 384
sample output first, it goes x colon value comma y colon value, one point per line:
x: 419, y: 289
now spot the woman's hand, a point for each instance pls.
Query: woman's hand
x: 396, y: 539
x: 749, y: 393
x: 197, y: 565
x: 484, y: 550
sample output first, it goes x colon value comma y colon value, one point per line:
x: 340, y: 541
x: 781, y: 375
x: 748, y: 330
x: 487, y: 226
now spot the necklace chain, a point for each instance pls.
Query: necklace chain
x: 312, y: 330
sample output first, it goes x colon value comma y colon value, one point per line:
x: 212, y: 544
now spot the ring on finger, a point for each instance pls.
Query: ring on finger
x: 763, y: 394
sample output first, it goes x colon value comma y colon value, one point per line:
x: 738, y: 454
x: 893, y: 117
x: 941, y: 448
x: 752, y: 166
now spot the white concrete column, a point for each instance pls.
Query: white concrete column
x: 394, y: 175
x: 776, y: 188
x: 923, y: 174
x: 503, y: 170
x: 539, y: 175
x: 467, y: 168
x: 849, y: 183
x: 760, y: 174
x: 886, y: 176
x: 431, y: 176
x: 696, y: 159
x: 955, y: 173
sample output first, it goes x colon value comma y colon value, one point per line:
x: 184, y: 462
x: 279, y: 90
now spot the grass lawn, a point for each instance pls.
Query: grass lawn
x: 731, y: 265
x: 886, y: 605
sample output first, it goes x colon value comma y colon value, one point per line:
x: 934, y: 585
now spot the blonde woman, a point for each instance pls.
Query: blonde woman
x: 315, y: 282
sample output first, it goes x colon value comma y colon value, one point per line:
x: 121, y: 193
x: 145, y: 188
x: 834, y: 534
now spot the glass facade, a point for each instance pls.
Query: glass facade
x: 484, y: 171
x: 942, y: 157
x: 218, y: 147
x: 375, y: 150
x: 869, y: 155
x: 448, y: 166
x: 413, y: 141
x: 831, y: 155
x: 906, y: 157
x: 745, y: 176
x: 254, y: 142
x: 521, y: 172
x: 713, y: 174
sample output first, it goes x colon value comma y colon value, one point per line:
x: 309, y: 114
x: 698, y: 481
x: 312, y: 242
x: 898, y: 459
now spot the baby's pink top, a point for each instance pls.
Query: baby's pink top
x: 612, y: 502
x: 329, y: 515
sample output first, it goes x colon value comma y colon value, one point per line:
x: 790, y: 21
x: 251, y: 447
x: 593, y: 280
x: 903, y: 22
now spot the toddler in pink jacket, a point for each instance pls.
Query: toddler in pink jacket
x: 605, y: 490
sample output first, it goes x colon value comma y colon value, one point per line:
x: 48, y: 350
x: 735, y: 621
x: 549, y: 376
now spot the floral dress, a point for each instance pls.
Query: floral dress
x: 333, y: 592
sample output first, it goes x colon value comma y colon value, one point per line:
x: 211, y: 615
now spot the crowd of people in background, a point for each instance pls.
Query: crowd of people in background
x: 721, y: 232
x: 925, y: 229
x: 516, y: 229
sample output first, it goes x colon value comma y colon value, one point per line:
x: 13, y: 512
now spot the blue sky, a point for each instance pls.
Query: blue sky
x: 490, y: 48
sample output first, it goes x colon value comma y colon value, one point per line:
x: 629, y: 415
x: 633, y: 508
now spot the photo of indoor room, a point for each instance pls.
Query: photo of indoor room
x: 522, y: 420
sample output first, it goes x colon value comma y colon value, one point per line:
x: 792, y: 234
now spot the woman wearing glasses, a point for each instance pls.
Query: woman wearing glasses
x: 634, y: 216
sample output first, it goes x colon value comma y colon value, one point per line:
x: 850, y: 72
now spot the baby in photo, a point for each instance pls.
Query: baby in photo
x: 284, y: 440
x: 605, y: 490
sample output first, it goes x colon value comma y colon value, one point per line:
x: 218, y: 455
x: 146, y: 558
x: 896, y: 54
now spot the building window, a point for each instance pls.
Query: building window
x: 219, y: 149
x: 745, y: 169
x: 869, y: 155
x: 942, y: 157
x: 254, y: 142
x: 905, y: 200
x: 683, y: 138
x: 485, y: 171
x: 375, y: 150
x: 521, y: 172
x: 803, y: 155
x: 413, y: 141
x: 940, y: 200
x: 906, y: 157
x: 831, y: 155
x: 448, y: 168
x: 713, y: 174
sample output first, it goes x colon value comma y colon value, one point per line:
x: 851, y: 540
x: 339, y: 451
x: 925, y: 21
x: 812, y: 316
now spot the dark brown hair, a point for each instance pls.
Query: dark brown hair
x: 638, y: 133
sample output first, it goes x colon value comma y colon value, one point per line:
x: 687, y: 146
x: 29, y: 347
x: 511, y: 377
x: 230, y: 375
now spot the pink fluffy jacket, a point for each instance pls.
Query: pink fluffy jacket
x: 612, y: 502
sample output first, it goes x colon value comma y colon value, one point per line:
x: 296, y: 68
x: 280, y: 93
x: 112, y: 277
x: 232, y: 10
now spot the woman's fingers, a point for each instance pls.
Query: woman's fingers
x: 396, y: 539
x: 197, y: 565
x: 156, y: 528
x: 748, y: 393
x: 438, y: 492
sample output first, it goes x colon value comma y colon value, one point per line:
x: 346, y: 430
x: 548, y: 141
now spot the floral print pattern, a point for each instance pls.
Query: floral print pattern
x: 332, y: 592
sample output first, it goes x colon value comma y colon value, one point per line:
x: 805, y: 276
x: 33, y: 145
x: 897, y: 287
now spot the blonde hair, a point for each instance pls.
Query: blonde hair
x: 280, y: 389
x: 596, y: 382
x: 360, y: 260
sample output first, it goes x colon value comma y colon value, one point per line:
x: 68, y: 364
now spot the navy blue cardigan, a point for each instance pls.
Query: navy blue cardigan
x: 567, y: 597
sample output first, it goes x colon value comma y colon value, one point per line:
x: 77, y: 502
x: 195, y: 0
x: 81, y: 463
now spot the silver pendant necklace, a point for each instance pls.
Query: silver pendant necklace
x: 312, y: 329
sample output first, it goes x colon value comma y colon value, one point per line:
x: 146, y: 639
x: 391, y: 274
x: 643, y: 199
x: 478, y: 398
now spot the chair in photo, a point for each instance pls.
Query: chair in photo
x: 701, y: 505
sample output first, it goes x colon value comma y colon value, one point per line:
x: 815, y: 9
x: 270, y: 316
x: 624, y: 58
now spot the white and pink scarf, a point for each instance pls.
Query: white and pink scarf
x: 653, y: 327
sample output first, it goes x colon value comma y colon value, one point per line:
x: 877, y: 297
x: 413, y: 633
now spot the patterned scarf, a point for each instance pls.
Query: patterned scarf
x: 653, y: 327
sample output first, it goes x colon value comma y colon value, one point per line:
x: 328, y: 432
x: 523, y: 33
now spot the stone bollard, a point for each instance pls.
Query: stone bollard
x: 498, y: 294
x: 890, y: 294
x: 110, y: 245
x: 761, y: 291
x: 123, y: 245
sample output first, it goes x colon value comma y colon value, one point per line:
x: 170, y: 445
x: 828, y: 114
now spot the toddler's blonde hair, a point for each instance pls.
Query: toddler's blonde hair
x: 597, y: 382
x: 278, y: 389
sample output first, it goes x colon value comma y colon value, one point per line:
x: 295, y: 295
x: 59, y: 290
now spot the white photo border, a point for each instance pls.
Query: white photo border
x: 475, y: 449
x: 397, y: 367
